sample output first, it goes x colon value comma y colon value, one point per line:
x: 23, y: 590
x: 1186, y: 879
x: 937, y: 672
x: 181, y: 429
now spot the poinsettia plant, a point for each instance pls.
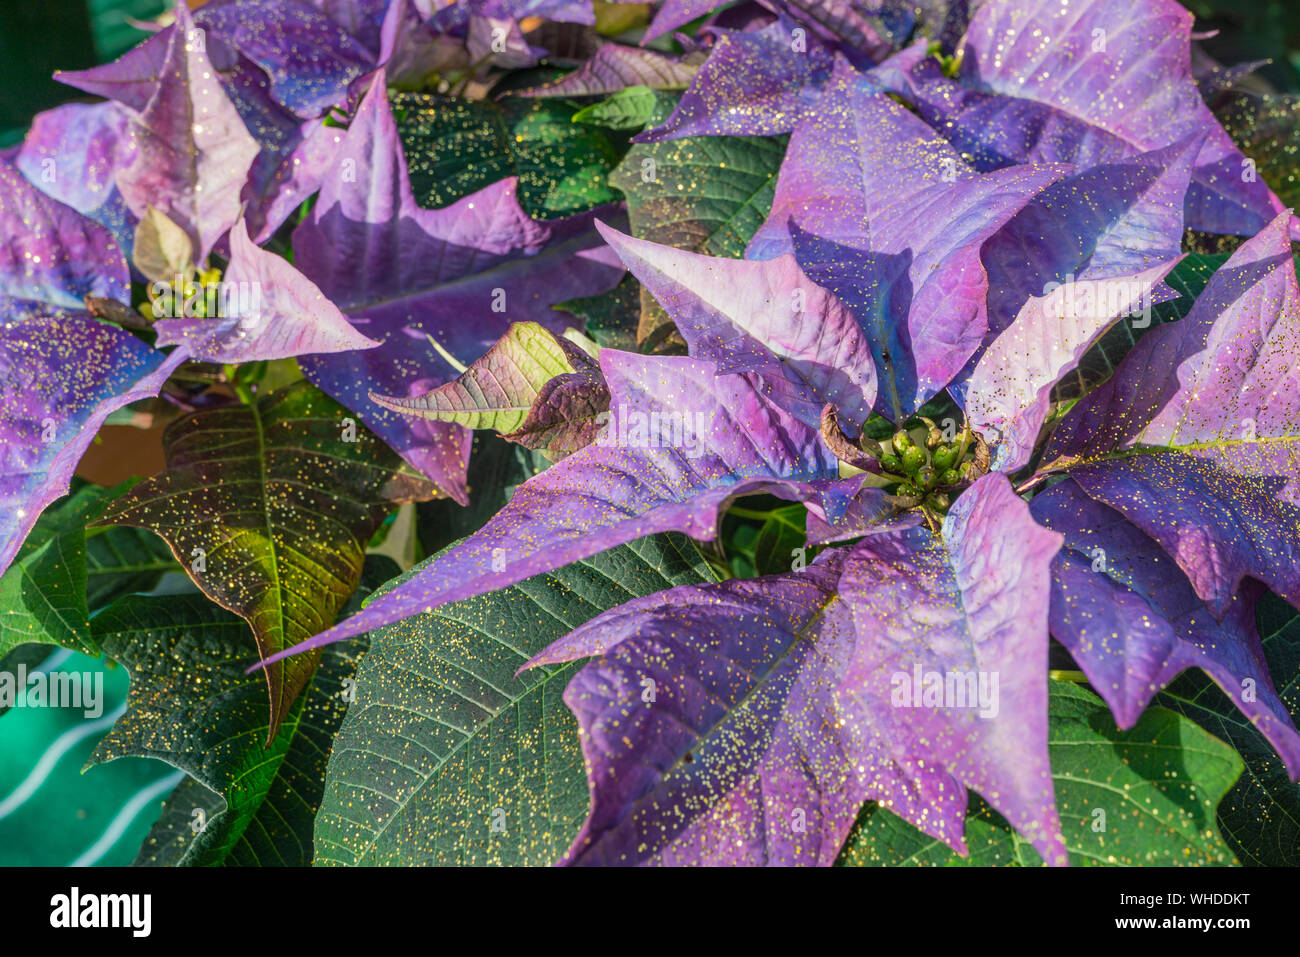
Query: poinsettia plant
x: 775, y: 433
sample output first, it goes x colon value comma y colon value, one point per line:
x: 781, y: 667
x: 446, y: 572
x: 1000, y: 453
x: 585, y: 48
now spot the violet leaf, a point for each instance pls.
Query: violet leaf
x: 408, y: 277
x: 73, y: 153
x: 753, y: 84
x: 1187, y: 279
x: 677, y: 13
x: 1085, y: 253
x: 52, y: 257
x: 720, y: 726
x: 614, y: 68
x: 271, y: 311
x: 971, y: 603
x: 1133, y: 623
x: 906, y: 259
x: 1085, y: 83
x: 60, y: 378
x: 1211, y: 381
x: 1207, y: 403
x: 309, y: 58
x: 193, y: 152
x: 765, y: 319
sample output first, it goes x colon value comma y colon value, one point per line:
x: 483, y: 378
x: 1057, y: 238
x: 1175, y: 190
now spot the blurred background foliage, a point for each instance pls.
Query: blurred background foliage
x: 38, y: 37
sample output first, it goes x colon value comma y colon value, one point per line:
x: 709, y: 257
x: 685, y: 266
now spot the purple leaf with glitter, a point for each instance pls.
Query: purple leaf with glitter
x: 904, y: 259
x: 1085, y: 252
x: 1220, y: 527
x: 754, y: 748
x: 60, y: 378
x: 616, y: 67
x: 972, y: 603
x: 269, y: 311
x: 409, y: 277
x: 753, y: 84
x: 765, y: 319
x: 51, y: 256
x: 73, y: 153
x: 309, y: 58
x: 1133, y: 622
x: 1083, y: 82
x: 193, y: 152
x: 680, y: 442
x: 1224, y: 382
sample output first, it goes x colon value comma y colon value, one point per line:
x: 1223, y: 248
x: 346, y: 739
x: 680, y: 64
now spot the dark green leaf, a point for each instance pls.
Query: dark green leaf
x: 1260, y: 817
x: 448, y: 757
x: 783, y: 533
x: 455, y: 147
x: 270, y: 506
x: 1138, y: 797
x: 191, y: 705
x: 628, y: 109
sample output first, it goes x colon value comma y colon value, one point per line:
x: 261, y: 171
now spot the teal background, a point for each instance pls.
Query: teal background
x: 98, y: 817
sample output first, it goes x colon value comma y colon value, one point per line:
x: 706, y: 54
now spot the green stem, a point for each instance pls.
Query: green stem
x: 1077, y: 677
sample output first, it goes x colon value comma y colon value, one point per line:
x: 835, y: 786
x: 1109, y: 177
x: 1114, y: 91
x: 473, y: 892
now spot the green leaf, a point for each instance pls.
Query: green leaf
x: 705, y: 194
x: 447, y: 757
x: 270, y: 507
x: 531, y: 387
x: 123, y: 561
x: 783, y: 532
x: 611, y: 318
x: 1138, y: 797
x: 192, y: 705
x: 455, y: 147
x: 628, y: 109
x: 61, y: 574
x: 1267, y: 130
x: 1260, y: 817
x: 43, y: 596
x: 496, y: 468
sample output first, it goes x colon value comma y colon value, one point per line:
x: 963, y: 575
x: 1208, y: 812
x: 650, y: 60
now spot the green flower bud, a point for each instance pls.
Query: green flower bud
x: 913, y: 459
x: 908, y: 491
x: 945, y: 457
x: 926, y: 477
x: 950, y: 477
x: 939, y: 500
x: 902, y: 441
x: 891, y: 463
